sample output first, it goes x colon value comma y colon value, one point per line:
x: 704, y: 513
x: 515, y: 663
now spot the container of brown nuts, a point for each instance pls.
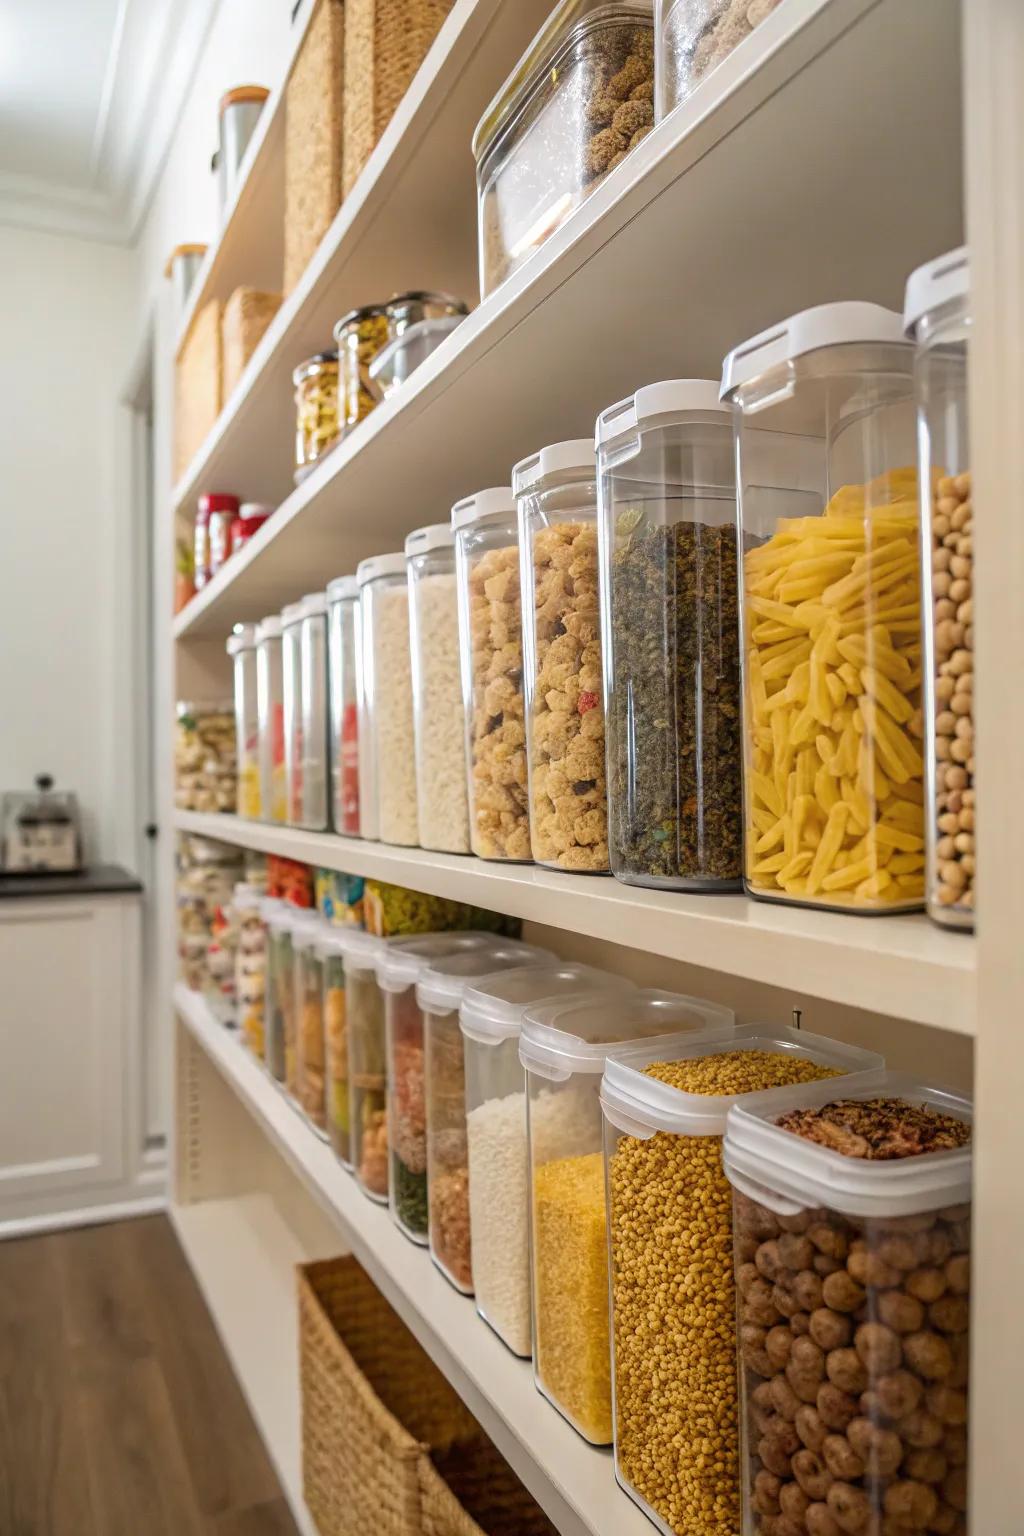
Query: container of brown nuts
x: 852, y: 1236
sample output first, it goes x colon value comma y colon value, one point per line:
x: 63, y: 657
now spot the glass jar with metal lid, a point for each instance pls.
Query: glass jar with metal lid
x: 316, y: 409
x: 358, y: 336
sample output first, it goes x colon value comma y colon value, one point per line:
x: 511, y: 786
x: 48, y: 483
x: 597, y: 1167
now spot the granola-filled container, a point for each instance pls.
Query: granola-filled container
x: 830, y: 610
x: 241, y: 647
x: 308, y: 1083
x: 852, y: 1215
x: 438, y: 713
x: 670, y: 1242
x: 337, y: 1090
x: 358, y: 337
x: 937, y: 315
x: 343, y: 671
x: 316, y: 409
x: 695, y: 35
x: 491, y: 650
x: 579, y: 99
x: 367, y: 1063
x: 556, y: 500
x: 564, y: 1047
x: 250, y: 965
x: 270, y: 719
x: 386, y: 713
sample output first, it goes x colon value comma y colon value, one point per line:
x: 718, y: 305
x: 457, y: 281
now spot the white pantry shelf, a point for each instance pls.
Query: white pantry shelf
x: 900, y: 965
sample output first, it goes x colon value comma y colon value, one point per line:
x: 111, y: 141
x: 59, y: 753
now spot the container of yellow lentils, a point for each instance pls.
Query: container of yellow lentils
x: 673, y: 1311
x: 564, y: 1047
x: 830, y: 610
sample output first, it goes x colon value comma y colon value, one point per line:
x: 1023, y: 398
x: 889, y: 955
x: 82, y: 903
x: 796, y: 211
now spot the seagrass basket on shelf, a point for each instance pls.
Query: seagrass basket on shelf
x: 198, y: 384
x: 247, y: 314
x: 313, y: 138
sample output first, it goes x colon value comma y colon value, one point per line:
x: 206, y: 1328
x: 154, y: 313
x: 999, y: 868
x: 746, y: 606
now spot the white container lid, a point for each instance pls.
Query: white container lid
x: 342, y: 589
x: 496, y: 504
x: 641, y: 1105
x: 443, y: 985
x: 308, y: 935
x: 270, y: 907
x: 826, y: 325
x: 573, y: 459
x: 494, y: 1011
x: 579, y: 1034
x: 254, y: 509
x: 247, y: 897
x: 292, y: 917
x: 241, y: 638
x: 330, y: 942
x: 937, y: 283
x: 268, y: 628
x: 672, y: 397
x: 380, y: 565
x: 788, y: 1173
x: 291, y: 613
x: 313, y: 605
x: 360, y: 949
x: 435, y: 536
x: 403, y: 960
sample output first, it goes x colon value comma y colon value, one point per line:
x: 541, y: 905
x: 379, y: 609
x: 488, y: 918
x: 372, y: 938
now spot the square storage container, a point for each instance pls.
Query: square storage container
x: 241, y: 647
x: 670, y: 624
x: 306, y: 1083
x: 579, y: 99
x: 491, y: 648
x: 438, y: 714
x: 305, y: 710
x: 317, y: 424
x: 853, y: 1221
x: 282, y: 1029
x: 197, y: 385
x: 670, y: 1240
x: 250, y: 965
x: 556, y: 501
x: 247, y: 314
x: 313, y: 138
x: 270, y: 720
x: 343, y: 674
x: 358, y: 337
x: 830, y: 610
x: 367, y: 1061
x: 337, y: 1090
x: 278, y: 983
x: 387, y: 803
x: 695, y: 35
x: 938, y: 316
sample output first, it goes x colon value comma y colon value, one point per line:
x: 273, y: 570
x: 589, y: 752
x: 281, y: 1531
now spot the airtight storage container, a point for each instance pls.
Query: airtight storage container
x: 343, y: 674
x: 670, y: 623
x: 250, y: 964
x: 853, y: 1217
x: 316, y: 410
x: 937, y: 315
x: 358, y: 336
x: 491, y: 646
x: 694, y: 36
x: 241, y: 647
x: 313, y: 777
x: 438, y: 714
x: 282, y: 1026
x: 388, y: 809
x: 278, y: 957
x: 367, y: 1062
x: 564, y: 1047
x: 270, y: 719
x: 306, y: 1084
x: 670, y: 1231
x: 556, y: 500
x: 830, y: 610
x: 337, y: 1095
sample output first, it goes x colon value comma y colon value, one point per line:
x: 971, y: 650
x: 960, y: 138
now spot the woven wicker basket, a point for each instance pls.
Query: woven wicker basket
x: 247, y: 314
x: 387, y: 1444
x: 198, y: 387
x: 312, y: 139
x: 386, y: 41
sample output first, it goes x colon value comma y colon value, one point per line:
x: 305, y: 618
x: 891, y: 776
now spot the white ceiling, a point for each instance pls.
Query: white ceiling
x: 90, y: 92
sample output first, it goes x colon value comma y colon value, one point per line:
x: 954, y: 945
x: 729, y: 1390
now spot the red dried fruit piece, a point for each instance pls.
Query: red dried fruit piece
x: 586, y: 700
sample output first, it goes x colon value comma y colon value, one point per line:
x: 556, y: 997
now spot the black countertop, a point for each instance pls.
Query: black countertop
x: 100, y: 880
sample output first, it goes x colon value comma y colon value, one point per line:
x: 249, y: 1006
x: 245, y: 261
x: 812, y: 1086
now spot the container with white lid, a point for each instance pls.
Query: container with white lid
x: 556, y: 500
x: 937, y: 315
x: 367, y: 1061
x: 439, y: 994
x: 241, y: 647
x: 279, y: 1018
x: 248, y: 905
x: 270, y: 719
x: 343, y: 688
x: 830, y: 610
x: 438, y: 715
x: 670, y: 1238
x: 387, y: 762
x: 491, y: 651
x: 337, y: 1092
x: 859, y: 1206
x: 305, y: 1079
x: 670, y: 627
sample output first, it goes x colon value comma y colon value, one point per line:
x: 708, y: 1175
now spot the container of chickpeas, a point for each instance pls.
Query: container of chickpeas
x: 670, y: 1238
x: 565, y: 1046
x: 937, y: 316
x: 852, y: 1222
x: 830, y: 611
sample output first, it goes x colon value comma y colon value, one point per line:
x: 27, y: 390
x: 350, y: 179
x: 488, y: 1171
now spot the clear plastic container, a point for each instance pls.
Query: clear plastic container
x: 342, y: 629
x: 277, y: 980
x: 394, y: 364
x: 670, y: 625
x: 579, y: 99
x: 308, y: 1083
x: 358, y: 336
x: 937, y: 314
x: 291, y: 692
x: 871, y: 1255
x: 250, y: 965
x: 556, y: 498
x: 831, y: 611
x: 270, y: 719
x: 564, y: 1047
x: 386, y: 713
x: 405, y: 311
x: 367, y: 1060
x: 439, y: 994
x: 317, y: 423
x: 670, y: 1238
x: 438, y: 712
x: 241, y: 647
x: 281, y: 1043
x: 205, y: 777
x: 491, y: 649
x: 695, y: 35
x: 338, y: 1085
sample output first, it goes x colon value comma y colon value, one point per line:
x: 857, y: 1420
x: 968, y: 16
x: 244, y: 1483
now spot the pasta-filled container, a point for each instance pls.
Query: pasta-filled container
x: 579, y: 99
x: 438, y: 995
x: 337, y: 1093
x: 358, y: 336
x: 281, y: 1045
x: 387, y: 712
x: 852, y: 1220
x: 316, y: 409
x: 830, y: 610
x: 670, y: 624
x: 556, y: 498
x: 241, y: 647
x: 670, y: 1239
x: 564, y: 1047
x: 693, y: 36
x: 279, y: 959
x: 307, y: 1084
x: 367, y: 1063
x: 491, y: 648
x: 438, y: 713
x: 937, y: 315
x: 250, y: 965
x: 270, y: 719
x: 343, y: 673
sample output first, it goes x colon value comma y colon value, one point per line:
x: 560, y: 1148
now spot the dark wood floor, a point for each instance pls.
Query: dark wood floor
x: 119, y: 1413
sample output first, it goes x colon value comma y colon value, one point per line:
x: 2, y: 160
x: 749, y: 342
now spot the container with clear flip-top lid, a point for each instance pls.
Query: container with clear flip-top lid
x: 937, y: 315
x: 694, y: 37
x: 670, y: 623
x: 270, y: 719
x: 387, y: 753
x: 280, y: 1017
x: 367, y: 1062
x: 580, y: 98
x: 241, y: 647
x: 305, y: 710
x: 438, y: 712
x: 851, y: 1205
x: 343, y: 675
x: 830, y: 610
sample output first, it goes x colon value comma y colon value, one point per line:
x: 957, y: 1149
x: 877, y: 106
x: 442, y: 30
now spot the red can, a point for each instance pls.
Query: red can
x: 249, y: 521
x: 214, y: 516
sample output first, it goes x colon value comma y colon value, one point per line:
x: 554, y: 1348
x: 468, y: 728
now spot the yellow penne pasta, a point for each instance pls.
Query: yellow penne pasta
x: 766, y: 792
x: 890, y: 698
x: 831, y: 842
x: 770, y: 866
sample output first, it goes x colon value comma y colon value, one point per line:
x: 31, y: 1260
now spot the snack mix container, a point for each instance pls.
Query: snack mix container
x: 338, y: 1091
x: 367, y: 1063
x: 241, y: 647
x: 937, y: 315
x: 556, y: 500
x: 386, y: 712
x: 855, y: 1219
x: 438, y: 714
x: 306, y: 1081
x: 670, y: 1242
x: 316, y: 409
x: 830, y: 610
x: 342, y: 673
x: 491, y: 650
x: 579, y: 99
x: 695, y: 35
x: 670, y: 626
x: 270, y: 719
x: 358, y: 337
